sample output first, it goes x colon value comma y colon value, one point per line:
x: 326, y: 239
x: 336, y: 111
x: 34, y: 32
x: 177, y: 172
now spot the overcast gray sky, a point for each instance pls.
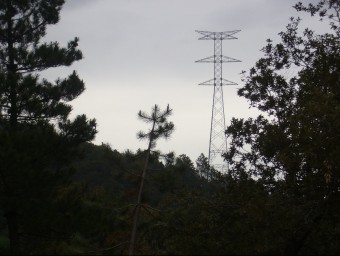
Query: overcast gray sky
x: 138, y: 53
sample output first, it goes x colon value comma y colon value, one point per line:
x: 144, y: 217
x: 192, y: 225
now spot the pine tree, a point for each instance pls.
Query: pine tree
x: 160, y: 128
x: 37, y: 138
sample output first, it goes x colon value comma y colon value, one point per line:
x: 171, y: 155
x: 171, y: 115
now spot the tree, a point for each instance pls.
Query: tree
x: 293, y: 148
x: 205, y: 170
x: 160, y: 128
x: 202, y: 166
x: 37, y: 138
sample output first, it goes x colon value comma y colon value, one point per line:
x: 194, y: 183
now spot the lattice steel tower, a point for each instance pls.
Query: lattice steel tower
x: 218, y: 140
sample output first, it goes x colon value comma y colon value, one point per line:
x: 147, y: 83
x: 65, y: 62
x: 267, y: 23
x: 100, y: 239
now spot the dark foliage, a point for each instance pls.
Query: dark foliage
x: 38, y: 141
x: 60, y: 194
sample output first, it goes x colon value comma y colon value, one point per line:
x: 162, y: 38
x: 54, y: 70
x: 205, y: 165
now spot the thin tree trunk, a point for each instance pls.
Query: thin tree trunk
x: 11, y: 71
x: 13, y: 230
x: 12, y: 214
x: 139, y: 200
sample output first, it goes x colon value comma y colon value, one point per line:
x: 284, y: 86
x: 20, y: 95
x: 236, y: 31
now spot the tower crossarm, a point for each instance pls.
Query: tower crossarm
x: 207, y: 35
x: 221, y: 59
x: 213, y: 82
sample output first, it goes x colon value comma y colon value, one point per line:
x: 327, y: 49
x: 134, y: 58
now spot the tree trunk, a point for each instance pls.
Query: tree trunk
x: 13, y: 230
x: 12, y: 215
x: 11, y: 72
x: 139, y: 200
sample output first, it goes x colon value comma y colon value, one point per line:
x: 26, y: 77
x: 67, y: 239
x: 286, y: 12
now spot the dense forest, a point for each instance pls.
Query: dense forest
x: 61, y: 194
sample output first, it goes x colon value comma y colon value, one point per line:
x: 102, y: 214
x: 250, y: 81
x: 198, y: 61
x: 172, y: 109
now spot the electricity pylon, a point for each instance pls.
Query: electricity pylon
x: 218, y: 140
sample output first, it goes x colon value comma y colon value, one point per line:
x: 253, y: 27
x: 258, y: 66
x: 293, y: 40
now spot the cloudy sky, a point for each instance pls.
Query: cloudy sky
x: 138, y: 53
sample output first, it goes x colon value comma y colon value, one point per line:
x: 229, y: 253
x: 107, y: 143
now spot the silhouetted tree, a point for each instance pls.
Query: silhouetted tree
x: 37, y: 138
x: 160, y: 128
x: 293, y: 149
x: 203, y: 167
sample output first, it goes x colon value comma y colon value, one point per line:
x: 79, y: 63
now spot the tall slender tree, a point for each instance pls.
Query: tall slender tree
x: 36, y: 136
x: 160, y: 128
